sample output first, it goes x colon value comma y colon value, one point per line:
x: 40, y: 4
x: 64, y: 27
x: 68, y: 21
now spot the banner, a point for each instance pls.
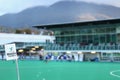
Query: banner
x: 10, y: 52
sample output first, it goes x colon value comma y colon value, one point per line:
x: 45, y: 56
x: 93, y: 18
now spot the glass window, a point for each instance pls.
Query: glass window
x: 108, y: 39
x: 96, y: 38
x: 100, y: 30
x: 102, y: 39
x: 90, y: 39
x: 113, y: 37
x: 113, y: 30
x: 89, y: 31
x: 57, y: 33
x: 108, y: 30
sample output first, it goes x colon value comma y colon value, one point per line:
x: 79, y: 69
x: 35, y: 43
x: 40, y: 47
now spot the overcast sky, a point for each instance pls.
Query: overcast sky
x: 14, y: 6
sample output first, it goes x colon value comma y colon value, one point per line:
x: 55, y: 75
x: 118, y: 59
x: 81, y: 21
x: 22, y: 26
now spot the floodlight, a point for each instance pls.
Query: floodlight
x: 79, y: 52
x: 93, y: 52
x: 31, y: 51
x: 36, y: 46
x: 68, y: 52
x: 21, y: 50
x: 42, y: 49
x: 33, y: 48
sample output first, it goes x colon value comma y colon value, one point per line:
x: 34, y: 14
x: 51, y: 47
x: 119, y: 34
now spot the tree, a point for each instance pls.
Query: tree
x: 18, y: 31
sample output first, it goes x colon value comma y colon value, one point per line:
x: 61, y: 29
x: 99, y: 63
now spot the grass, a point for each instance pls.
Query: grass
x: 36, y: 70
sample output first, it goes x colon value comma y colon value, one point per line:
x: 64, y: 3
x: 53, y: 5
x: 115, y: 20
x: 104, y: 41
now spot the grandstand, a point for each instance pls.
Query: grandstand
x: 101, y: 38
x: 85, y: 40
x: 65, y: 47
x: 24, y: 42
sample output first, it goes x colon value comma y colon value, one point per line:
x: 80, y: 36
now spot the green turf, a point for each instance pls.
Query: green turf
x: 36, y: 70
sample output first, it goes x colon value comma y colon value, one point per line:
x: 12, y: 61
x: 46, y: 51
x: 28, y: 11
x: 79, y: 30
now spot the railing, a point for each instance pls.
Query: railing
x: 53, y: 46
x: 81, y: 47
x: 25, y: 45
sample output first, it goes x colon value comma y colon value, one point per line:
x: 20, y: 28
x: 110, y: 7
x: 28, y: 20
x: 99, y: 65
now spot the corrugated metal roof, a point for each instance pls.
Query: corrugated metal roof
x: 97, y: 22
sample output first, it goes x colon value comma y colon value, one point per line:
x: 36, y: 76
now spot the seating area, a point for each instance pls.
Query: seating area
x: 77, y: 46
x: 72, y: 46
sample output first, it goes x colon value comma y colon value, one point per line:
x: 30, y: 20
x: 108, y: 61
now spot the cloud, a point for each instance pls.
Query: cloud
x: 14, y: 6
x: 108, y: 2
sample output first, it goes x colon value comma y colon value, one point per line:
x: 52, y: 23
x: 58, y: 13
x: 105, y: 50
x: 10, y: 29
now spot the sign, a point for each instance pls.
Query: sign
x: 10, y: 52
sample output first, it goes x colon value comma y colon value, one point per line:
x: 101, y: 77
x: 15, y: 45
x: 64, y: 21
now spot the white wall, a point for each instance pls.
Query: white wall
x: 8, y: 38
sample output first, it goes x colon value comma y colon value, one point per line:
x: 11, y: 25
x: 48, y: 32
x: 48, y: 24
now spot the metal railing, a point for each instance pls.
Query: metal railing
x: 81, y: 47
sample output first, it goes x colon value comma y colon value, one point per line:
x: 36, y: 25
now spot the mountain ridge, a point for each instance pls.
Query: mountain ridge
x: 60, y: 12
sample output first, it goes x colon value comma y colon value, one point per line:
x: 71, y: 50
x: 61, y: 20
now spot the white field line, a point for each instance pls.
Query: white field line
x: 113, y: 73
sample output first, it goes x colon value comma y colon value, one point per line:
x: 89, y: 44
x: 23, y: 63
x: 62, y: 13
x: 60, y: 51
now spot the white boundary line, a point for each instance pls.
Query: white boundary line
x: 112, y: 73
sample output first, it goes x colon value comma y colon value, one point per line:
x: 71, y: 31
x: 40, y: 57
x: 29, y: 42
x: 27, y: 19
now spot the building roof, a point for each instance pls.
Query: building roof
x: 97, y: 22
x: 9, y: 38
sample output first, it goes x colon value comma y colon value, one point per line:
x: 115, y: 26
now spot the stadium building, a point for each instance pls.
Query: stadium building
x: 86, y: 40
x: 26, y: 44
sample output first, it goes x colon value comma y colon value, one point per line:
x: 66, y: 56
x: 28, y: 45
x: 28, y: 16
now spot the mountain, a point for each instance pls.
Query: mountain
x: 60, y: 12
